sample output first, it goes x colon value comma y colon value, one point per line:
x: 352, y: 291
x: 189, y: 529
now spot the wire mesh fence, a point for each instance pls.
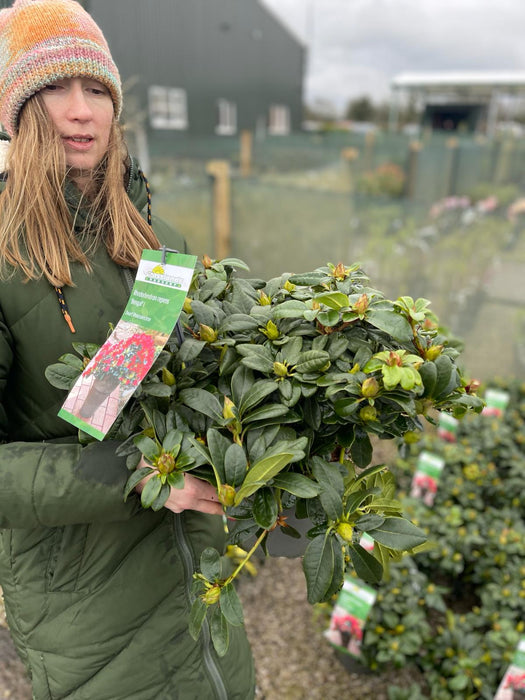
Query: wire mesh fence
x: 465, y: 254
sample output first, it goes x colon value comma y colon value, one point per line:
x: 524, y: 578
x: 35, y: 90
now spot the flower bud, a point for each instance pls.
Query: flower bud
x: 165, y: 463
x: 207, y: 333
x: 212, y: 595
x: 340, y: 272
x: 168, y: 377
x: 345, y: 530
x: 361, y: 304
x: 289, y: 286
x: 227, y: 411
x: 394, y: 359
x: 280, y: 369
x: 271, y: 331
x: 264, y: 299
x: 368, y: 413
x: 207, y: 262
x: 433, y: 351
x: 370, y: 387
x: 411, y: 437
x: 226, y: 495
x: 186, y: 307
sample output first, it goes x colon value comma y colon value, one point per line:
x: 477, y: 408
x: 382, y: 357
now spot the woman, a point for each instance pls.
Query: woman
x: 97, y: 591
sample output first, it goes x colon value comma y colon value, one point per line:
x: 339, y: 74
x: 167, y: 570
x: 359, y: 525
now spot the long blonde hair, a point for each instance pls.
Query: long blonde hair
x: 37, y: 230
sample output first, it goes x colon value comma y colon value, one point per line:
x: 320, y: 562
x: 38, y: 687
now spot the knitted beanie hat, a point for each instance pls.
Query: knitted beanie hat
x: 42, y: 41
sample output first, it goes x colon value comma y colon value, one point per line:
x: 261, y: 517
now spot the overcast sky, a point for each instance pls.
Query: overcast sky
x: 355, y: 47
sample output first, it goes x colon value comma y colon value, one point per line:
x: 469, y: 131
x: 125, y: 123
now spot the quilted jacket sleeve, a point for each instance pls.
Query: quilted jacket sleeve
x: 50, y: 484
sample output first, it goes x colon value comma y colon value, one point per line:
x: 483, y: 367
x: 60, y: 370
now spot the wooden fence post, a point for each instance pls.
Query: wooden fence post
x: 413, y: 159
x: 219, y: 170
x: 450, y: 185
x: 370, y: 139
x: 246, y: 152
x: 503, y: 162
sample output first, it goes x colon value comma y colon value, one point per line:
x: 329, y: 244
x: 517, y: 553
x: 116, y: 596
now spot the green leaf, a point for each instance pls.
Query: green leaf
x: 158, y: 389
x: 72, y: 361
x: 241, y: 383
x: 197, y: 617
x: 334, y: 300
x: 400, y: 534
x: 257, y: 357
x: 238, y: 323
x: 428, y: 373
x: 446, y: 376
x: 309, y: 279
x: 235, y: 465
x: 203, y: 313
x: 235, y: 262
x: 147, y: 446
x: 289, y: 309
x: 318, y: 567
x: 312, y: 361
x: 261, y: 473
x: 361, y: 449
x: 298, y: 484
x: 86, y: 349
x: 135, y: 478
x: 272, y: 410
x: 258, y: 392
x: 176, y: 480
x: 376, y: 469
x: 458, y: 682
x: 392, y: 323
x: 218, y: 446
x: 265, y: 510
x: 173, y: 439
x: 61, y: 376
x: 210, y: 564
x: 219, y: 631
x: 365, y: 564
x: 328, y: 318
x: 231, y: 605
x: 190, y: 349
x: 150, y: 491
x: 161, y: 499
x: 328, y: 474
x: 203, y: 402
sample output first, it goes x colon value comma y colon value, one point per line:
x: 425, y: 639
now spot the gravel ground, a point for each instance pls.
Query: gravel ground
x: 293, y: 660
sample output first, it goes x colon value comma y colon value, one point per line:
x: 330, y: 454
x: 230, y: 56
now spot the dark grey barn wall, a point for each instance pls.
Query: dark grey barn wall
x: 232, y: 49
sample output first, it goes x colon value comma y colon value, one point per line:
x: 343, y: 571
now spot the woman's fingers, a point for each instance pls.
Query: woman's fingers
x: 196, y: 495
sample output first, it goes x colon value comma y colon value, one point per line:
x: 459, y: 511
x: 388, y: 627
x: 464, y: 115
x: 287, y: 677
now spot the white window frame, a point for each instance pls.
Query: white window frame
x: 279, y: 120
x: 227, y: 117
x: 168, y: 107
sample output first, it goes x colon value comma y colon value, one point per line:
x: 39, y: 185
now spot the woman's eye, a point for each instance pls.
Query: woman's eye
x: 51, y: 88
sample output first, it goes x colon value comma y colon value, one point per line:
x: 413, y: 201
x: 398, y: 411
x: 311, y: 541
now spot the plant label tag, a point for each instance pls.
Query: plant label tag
x: 496, y: 402
x: 512, y: 686
x: 349, y: 616
x: 113, y: 374
x: 447, y: 427
x: 367, y: 542
x: 426, y: 477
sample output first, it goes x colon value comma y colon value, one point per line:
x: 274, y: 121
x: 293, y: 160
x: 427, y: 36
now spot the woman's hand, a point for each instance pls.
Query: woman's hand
x: 196, y: 495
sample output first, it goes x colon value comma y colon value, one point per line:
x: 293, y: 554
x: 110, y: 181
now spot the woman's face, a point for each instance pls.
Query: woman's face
x: 82, y: 111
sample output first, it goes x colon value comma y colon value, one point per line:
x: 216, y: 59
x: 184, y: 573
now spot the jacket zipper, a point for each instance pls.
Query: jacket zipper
x: 209, y: 662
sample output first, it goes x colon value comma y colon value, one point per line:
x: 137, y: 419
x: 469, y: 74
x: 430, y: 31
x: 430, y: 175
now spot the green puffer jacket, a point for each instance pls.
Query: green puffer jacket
x: 97, y: 591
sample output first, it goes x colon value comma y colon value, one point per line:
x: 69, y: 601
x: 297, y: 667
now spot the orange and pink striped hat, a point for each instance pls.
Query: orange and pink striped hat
x: 42, y: 41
